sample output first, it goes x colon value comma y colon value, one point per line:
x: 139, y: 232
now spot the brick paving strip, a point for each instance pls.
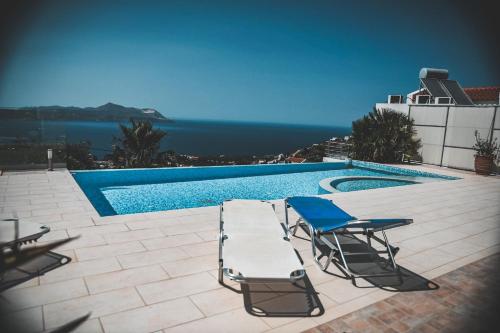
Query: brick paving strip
x: 465, y: 302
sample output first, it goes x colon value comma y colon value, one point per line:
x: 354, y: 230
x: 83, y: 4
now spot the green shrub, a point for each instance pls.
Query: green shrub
x: 384, y: 136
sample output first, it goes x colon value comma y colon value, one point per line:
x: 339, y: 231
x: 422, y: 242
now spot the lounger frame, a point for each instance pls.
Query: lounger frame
x: 294, y: 276
x: 369, y: 232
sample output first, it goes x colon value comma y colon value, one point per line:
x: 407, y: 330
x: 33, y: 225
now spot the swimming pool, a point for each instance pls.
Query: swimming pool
x: 116, y: 192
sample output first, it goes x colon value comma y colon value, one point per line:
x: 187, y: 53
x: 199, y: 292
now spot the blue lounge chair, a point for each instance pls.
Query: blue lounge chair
x: 326, y: 221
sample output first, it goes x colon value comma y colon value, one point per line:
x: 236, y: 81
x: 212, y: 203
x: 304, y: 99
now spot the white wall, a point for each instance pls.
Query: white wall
x: 429, y: 115
x: 464, y: 121
x: 447, y: 132
x: 432, y: 143
x: 458, y: 158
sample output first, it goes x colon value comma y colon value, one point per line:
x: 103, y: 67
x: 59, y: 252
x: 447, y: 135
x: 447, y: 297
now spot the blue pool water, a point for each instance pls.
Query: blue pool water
x: 366, y: 184
x: 144, y: 190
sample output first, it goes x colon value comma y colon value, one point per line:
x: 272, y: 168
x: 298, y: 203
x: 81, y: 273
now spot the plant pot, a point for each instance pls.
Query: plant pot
x: 483, y: 164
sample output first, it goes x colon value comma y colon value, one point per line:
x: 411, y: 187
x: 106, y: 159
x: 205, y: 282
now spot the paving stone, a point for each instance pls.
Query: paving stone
x: 100, y: 305
x: 28, y: 321
x: 191, y: 265
x: 44, y: 294
x: 461, y: 304
x: 108, y: 250
x: 128, y: 236
x: 151, y: 257
x: 221, y: 324
x: 153, y: 317
x: 124, y: 278
x: 171, y: 241
x: 183, y: 286
x: 81, y: 269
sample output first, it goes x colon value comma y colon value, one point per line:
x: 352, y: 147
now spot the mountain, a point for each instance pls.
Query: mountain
x: 106, y: 112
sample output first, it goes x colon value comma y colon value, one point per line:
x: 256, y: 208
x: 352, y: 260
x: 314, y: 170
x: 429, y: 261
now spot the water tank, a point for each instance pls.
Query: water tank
x: 433, y: 73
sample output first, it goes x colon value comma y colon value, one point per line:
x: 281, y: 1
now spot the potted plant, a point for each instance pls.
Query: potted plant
x: 486, y: 151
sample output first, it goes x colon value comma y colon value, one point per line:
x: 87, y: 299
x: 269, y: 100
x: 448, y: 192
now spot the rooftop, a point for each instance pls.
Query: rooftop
x: 157, y: 271
x: 483, y: 94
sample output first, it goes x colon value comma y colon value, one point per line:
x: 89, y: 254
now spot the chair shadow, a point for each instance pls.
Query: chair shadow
x: 283, y: 299
x: 372, y: 263
x: 33, y: 268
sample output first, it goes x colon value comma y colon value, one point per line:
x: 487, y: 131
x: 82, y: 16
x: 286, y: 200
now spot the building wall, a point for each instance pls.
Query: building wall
x: 447, y: 132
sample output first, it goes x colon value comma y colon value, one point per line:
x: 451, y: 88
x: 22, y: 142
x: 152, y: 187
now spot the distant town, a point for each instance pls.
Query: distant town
x: 334, y: 148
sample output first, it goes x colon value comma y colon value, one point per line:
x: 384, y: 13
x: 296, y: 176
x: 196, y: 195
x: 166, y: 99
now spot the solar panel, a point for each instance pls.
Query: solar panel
x: 434, y: 87
x: 457, y: 92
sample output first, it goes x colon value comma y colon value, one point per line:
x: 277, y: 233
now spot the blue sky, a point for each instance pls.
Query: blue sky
x: 311, y: 62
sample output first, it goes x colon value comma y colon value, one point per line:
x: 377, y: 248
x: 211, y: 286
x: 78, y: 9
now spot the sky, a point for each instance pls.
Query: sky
x: 311, y: 62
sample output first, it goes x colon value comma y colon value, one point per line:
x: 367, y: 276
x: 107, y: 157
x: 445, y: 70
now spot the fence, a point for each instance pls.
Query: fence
x: 447, y: 132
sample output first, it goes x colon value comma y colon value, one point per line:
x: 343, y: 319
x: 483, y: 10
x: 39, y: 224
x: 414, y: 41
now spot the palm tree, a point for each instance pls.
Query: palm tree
x: 384, y: 136
x: 140, y: 143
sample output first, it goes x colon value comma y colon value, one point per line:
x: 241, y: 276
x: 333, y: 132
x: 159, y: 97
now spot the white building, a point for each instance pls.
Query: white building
x: 446, y: 116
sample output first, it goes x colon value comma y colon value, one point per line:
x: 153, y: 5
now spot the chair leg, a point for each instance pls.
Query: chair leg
x: 344, y: 262
x: 297, y: 225
x: 315, y: 256
x: 286, y: 220
x: 221, y: 240
x: 388, y: 246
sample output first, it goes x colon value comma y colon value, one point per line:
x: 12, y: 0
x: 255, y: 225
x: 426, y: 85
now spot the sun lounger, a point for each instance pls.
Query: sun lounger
x: 14, y: 234
x: 326, y: 222
x: 253, y: 245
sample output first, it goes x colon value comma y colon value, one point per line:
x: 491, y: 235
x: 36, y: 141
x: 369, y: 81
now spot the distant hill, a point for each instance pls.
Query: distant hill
x: 106, y: 112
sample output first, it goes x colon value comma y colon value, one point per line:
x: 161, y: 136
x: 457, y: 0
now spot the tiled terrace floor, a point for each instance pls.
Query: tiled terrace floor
x: 157, y: 271
x: 465, y: 302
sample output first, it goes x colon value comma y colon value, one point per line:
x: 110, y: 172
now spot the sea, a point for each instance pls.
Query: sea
x: 192, y: 137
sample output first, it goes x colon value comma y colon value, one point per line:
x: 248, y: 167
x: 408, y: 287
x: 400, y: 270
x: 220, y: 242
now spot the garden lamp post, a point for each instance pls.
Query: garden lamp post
x: 49, y: 157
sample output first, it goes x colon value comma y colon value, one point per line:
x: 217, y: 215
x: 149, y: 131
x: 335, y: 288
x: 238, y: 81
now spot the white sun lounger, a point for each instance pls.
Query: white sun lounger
x: 253, y: 245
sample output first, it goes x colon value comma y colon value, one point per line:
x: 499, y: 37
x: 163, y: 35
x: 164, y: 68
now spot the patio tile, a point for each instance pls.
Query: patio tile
x: 28, y: 321
x: 187, y: 228
x: 54, y: 235
x: 171, y: 241
x: 299, y: 325
x: 128, y: 236
x: 341, y: 290
x: 191, y: 265
x: 100, y: 305
x: 460, y: 247
x: 57, y: 210
x: 98, y: 230
x: 124, y: 278
x: 430, y: 259
x: 217, y: 301
x: 44, y: 294
x: 153, y: 317
x: 89, y: 326
x: 80, y: 269
x: 485, y: 239
x: 222, y: 323
x: 153, y: 223
x: 44, y: 219
x: 103, y: 251
x: 88, y: 240
x: 178, y: 287
x: 209, y: 235
x: 151, y: 257
x: 70, y: 223
x: 30, y: 283
x: 201, y: 249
